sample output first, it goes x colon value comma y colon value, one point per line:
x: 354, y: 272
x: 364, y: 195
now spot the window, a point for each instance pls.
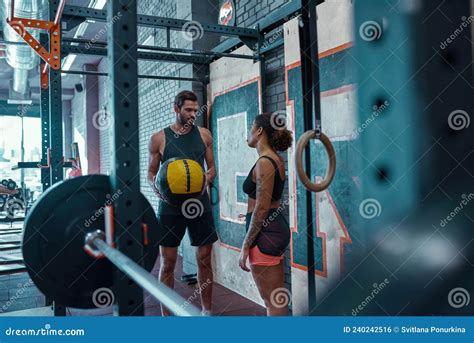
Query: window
x: 11, y: 150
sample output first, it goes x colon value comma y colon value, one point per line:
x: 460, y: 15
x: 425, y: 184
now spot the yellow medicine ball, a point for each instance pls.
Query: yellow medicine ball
x: 180, y: 179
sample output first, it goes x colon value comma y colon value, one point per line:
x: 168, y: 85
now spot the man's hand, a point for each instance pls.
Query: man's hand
x: 208, y: 180
x: 157, y: 192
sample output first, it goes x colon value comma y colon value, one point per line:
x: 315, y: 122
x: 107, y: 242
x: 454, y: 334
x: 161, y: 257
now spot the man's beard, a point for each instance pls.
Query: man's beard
x: 183, y: 122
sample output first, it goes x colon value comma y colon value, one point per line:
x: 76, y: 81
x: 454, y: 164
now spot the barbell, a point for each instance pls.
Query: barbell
x: 54, y: 233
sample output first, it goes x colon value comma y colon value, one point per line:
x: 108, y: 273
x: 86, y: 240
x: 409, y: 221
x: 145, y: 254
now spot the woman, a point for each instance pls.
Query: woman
x: 268, y: 232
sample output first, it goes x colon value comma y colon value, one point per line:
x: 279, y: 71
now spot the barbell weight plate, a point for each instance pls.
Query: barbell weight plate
x: 11, y: 184
x: 4, y: 182
x: 54, y: 234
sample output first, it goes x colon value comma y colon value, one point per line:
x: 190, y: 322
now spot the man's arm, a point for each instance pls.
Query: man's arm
x: 154, y: 158
x: 209, y: 156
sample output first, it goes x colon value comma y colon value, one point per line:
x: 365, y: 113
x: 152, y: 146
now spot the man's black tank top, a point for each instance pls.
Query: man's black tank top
x: 188, y: 146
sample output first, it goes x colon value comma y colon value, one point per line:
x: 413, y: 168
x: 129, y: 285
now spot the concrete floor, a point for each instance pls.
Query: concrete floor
x: 18, y: 296
x: 225, y: 301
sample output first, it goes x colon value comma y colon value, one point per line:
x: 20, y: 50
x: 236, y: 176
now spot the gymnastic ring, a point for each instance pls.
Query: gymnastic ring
x: 301, y: 145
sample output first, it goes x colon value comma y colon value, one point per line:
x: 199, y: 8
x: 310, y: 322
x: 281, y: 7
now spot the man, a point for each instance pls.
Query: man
x: 185, y: 140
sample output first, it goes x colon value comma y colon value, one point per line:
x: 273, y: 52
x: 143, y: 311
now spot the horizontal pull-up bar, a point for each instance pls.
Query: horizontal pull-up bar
x: 174, y: 54
x: 155, y: 77
x: 103, y: 44
x: 172, y: 23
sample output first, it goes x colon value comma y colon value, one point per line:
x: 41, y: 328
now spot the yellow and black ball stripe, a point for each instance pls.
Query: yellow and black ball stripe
x: 185, y: 177
x: 180, y: 179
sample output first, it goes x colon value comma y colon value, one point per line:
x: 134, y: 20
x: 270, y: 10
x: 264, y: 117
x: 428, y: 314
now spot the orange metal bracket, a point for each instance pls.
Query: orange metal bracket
x: 44, y: 77
x: 51, y: 58
x: 48, y: 160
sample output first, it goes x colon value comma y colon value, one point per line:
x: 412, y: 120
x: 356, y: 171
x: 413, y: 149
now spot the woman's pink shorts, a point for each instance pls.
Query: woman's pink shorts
x: 258, y: 258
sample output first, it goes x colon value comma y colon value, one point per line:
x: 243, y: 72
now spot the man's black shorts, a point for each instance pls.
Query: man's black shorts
x: 201, y: 230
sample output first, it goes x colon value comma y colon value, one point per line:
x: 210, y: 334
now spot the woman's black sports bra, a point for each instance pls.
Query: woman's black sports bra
x: 249, y: 187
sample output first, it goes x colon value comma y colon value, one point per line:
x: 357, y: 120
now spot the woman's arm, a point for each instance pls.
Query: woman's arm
x: 265, y: 176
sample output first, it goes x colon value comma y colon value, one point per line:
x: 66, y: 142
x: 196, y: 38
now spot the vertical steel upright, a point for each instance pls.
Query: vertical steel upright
x: 311, y: 107
x: 55, y: 113
x: 125, y: 176
x: 44, y: 115
x: 263, y: 68
x: 55, y: 128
